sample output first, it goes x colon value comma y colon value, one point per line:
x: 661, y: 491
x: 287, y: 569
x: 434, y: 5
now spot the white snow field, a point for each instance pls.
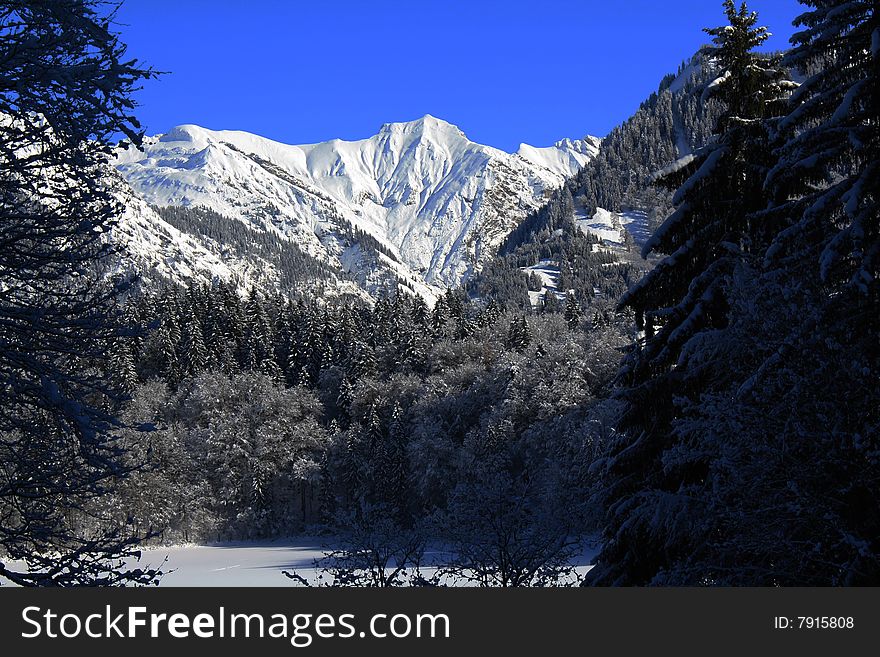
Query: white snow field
x: 611, y: 227
x: 636, y: 223
x: 261, y: 563
x: 603, y: 224
x: 235, y: 564
x: 548, y: 270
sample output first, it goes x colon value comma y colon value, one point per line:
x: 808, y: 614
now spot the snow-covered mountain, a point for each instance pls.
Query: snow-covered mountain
x: 157, y: 251
x: 418, y: 202
x: 564, y: 158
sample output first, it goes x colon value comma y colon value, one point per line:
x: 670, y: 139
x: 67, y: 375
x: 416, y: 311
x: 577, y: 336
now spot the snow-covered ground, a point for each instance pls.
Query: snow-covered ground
x: 261, y: 563
x: 603, y: 224
x: 636, y: 224
x: 548, y: 270
x: 564, y: 156
x: 235, y: 564
x: 612, y: 227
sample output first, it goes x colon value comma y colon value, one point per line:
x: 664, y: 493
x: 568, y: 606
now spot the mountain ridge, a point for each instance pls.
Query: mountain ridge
x: 435, y: 202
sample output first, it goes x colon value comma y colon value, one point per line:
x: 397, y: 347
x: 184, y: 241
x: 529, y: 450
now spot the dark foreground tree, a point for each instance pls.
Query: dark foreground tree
x: 760, y: 466
x: 791, y: 494
x: 654, y: 482
x: 65, y: 90
x: 822, y: 275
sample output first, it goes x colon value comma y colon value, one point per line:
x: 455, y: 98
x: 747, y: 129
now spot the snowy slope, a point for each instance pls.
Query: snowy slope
x: 565, y: 157
x: 436, y: 203
x: 603, y: 224
x: 690, y: 72
x: 548, y: 272
x: 157, y: 251
x: 154, y: 246
x: 612, y: 227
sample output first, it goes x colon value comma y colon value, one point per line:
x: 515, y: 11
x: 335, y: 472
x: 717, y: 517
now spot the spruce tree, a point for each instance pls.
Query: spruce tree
x: 803, y: 401
x: 65, y: 95
x: 194, y: 354
x: 572, y: 311
x: 122, y: 365
x: 827, y: 176
x: 391, y: 468
x: 652, y: 483
x: 519, y: 336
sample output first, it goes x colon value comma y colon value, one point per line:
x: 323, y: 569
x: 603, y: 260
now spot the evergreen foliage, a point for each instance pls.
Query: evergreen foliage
x: 749, y: 451
x: 65, y: 92
x: 381, y: 401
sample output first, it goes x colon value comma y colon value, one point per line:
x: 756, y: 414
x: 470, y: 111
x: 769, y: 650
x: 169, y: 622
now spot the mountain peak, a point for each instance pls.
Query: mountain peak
x: 425, y: 125
x: 420, y: 190
x: 187, y: 132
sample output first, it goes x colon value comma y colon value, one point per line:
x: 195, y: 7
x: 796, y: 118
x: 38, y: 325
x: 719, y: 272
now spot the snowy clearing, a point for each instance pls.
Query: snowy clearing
x: 603, y: 224
x: 636, y: 224
x: 260, y: 563
x: 236, y: 564
x: 548, y: 271
x: 612, y: 227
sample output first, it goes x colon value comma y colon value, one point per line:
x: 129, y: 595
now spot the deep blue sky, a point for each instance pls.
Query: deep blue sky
x: 505, y: 72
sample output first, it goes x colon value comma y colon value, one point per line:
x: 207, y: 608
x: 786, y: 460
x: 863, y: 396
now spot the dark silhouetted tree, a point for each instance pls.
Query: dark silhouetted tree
x: 65, y: 92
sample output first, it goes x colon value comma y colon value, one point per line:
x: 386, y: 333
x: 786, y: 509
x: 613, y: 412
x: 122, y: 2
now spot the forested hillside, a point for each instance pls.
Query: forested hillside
x: 671, y: 123
x: 270, y: 417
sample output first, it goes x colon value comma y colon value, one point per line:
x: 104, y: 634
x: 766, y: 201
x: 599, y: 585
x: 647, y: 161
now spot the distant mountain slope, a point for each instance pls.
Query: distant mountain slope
x: 417, y: 204
x: 199, y: 246
x: 563, y: 157
x: 671, y: 123
x: 590, y: 228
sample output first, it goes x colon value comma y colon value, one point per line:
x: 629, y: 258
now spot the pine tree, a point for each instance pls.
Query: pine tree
x: 217, y: 337
x: 464, y: 326
x: 122, y: 365
x: 519, y: 336
x: 681, y: 306
x: 392, y: 468
x: 719, y: 191
x: 363, y: 359
x: 490, y: 315
x: 167, y: 341
x: 572, y: 311
x: 803, y: 402
x: 551, y: 303
x: 65, y: 96
x: 419, y: 312
x: 439, y: 317
x: 827, y: 176
x: 194, y: 354
x: 283, y: 339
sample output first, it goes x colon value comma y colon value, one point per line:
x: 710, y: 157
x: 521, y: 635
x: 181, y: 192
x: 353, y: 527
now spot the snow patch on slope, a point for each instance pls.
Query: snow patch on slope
x: 612, y: 228
x: 548, y: 272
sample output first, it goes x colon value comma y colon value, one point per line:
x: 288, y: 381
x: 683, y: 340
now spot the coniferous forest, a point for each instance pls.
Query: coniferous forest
x: 705, y: 412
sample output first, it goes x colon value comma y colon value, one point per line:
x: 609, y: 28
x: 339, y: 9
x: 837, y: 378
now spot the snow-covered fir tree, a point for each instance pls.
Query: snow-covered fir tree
x: 681, y: 306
